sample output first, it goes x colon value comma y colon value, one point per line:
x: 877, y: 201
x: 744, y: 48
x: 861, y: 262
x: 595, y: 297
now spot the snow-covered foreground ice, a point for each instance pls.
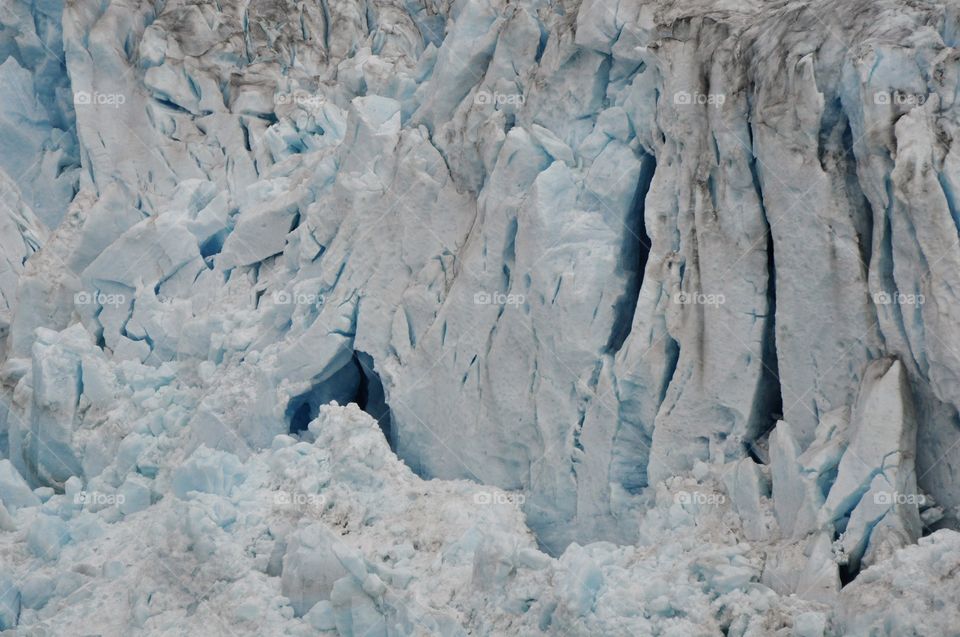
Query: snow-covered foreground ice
x: 336, y: 534
x: 645, y: 315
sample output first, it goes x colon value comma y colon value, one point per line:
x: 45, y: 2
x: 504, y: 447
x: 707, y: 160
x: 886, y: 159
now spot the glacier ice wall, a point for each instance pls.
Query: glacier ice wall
x: 39, y: 145
x: 615, y: 240
x: 574, y: 249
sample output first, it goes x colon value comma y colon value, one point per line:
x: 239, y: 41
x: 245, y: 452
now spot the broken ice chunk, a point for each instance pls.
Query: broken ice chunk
x: 876, y: 479
x: 794, y: 498
x: 208, y: 471
x: 46, y: 536
x: 135, y: 493
x: 746, y: 484
x: 15, y: 493
x: 311, y: 567
x: 9, y: 602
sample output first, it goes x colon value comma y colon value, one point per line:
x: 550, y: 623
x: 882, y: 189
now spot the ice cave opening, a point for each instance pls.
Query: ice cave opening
x: 356, y: 382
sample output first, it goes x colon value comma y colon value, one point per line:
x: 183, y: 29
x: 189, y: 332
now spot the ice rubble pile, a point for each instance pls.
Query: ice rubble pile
x: 678, y: 275
x: 335, y: 534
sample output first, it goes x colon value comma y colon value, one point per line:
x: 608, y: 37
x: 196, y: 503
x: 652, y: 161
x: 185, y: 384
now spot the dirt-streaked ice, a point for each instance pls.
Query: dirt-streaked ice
x: 654, y: 304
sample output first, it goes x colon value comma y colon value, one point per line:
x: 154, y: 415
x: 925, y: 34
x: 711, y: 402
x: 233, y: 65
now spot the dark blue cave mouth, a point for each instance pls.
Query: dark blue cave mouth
x: 355, y: 382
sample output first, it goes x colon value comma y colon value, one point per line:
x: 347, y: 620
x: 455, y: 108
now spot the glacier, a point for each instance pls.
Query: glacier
x: 456, y: 317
